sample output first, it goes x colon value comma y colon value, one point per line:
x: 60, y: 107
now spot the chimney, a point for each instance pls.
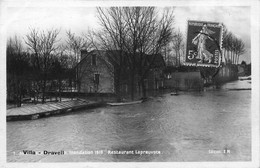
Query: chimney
x: 83, y: 54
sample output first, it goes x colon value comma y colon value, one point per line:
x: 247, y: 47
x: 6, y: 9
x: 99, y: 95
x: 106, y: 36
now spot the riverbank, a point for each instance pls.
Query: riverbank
x: 32, y: 112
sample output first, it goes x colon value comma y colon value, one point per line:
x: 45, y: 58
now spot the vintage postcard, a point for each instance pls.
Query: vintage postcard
x: 129, y: 83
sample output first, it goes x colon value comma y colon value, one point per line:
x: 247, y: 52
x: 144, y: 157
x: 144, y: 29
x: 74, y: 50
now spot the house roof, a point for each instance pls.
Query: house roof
x: 85, y: 53
x: 156, y: 60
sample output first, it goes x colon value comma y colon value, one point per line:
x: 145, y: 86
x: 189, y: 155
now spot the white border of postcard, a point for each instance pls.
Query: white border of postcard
x: 254, y: 4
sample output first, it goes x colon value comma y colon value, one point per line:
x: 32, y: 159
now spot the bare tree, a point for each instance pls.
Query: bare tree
x: 177, y: 46
x: 18, y: 70
x: 42, y: 44
x: 228, y: 45
x: 233, y: 47
x: 225, y: 43
x: 240, y: 49
x: 112, y: 38
x: 75, y: 44
x: 138, y: 32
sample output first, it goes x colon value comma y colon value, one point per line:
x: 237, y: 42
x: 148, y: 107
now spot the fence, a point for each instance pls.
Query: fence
x: 184, y: 81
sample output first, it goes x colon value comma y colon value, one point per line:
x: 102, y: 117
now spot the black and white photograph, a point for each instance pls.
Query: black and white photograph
x: 142, y: 83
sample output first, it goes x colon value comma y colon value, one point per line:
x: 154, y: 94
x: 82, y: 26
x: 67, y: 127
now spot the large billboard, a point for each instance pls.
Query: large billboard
x: 204, y: 41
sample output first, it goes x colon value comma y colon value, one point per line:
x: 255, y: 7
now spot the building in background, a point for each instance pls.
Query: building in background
x: 98, y: 71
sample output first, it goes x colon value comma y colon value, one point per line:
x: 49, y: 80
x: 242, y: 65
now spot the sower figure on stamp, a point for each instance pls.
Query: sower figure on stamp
x: 200, y: 41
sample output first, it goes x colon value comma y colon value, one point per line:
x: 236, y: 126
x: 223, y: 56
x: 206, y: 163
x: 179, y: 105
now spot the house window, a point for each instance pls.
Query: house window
x: 96, y: 78
x: 94, y: 59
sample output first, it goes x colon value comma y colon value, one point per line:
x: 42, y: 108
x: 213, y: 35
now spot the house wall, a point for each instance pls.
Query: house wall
x: 185, y: 81
x: 87, y: 72
x: 155, y: 79
x: 107, y: 84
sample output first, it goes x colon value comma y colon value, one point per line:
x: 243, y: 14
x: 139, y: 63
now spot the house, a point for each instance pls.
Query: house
x: 100, y: 71
x: 155, y: 77
x: 94, y: 73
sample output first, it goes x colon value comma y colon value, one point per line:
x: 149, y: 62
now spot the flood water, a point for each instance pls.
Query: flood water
x: 213, y: 125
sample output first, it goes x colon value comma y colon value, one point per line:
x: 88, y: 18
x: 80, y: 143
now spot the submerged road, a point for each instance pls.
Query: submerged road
x: 213, y: 125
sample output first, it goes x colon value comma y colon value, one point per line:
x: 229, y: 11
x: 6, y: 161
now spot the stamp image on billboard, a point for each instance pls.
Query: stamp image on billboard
x: 204, y: 41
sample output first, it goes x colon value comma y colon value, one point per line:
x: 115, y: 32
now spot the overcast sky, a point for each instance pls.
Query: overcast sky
x: 80, y: 19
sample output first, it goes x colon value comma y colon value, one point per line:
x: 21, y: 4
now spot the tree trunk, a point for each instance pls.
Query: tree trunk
x: 143, y: 89
x: 237, y: 59
x: 117, y: 86
x: 232, y: 57
x: 168, y: 59
x: 78, y: 85
x: 60, y: 90
x: 132, y: 84
x: 19, y: 95
x: 176, y: 55
x: 165, y: 53
x: 43, y: 90
x: 225, y: 55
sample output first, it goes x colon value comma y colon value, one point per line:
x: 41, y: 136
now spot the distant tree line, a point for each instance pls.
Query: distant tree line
x: 233, y: 47
x: 39, y: 64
